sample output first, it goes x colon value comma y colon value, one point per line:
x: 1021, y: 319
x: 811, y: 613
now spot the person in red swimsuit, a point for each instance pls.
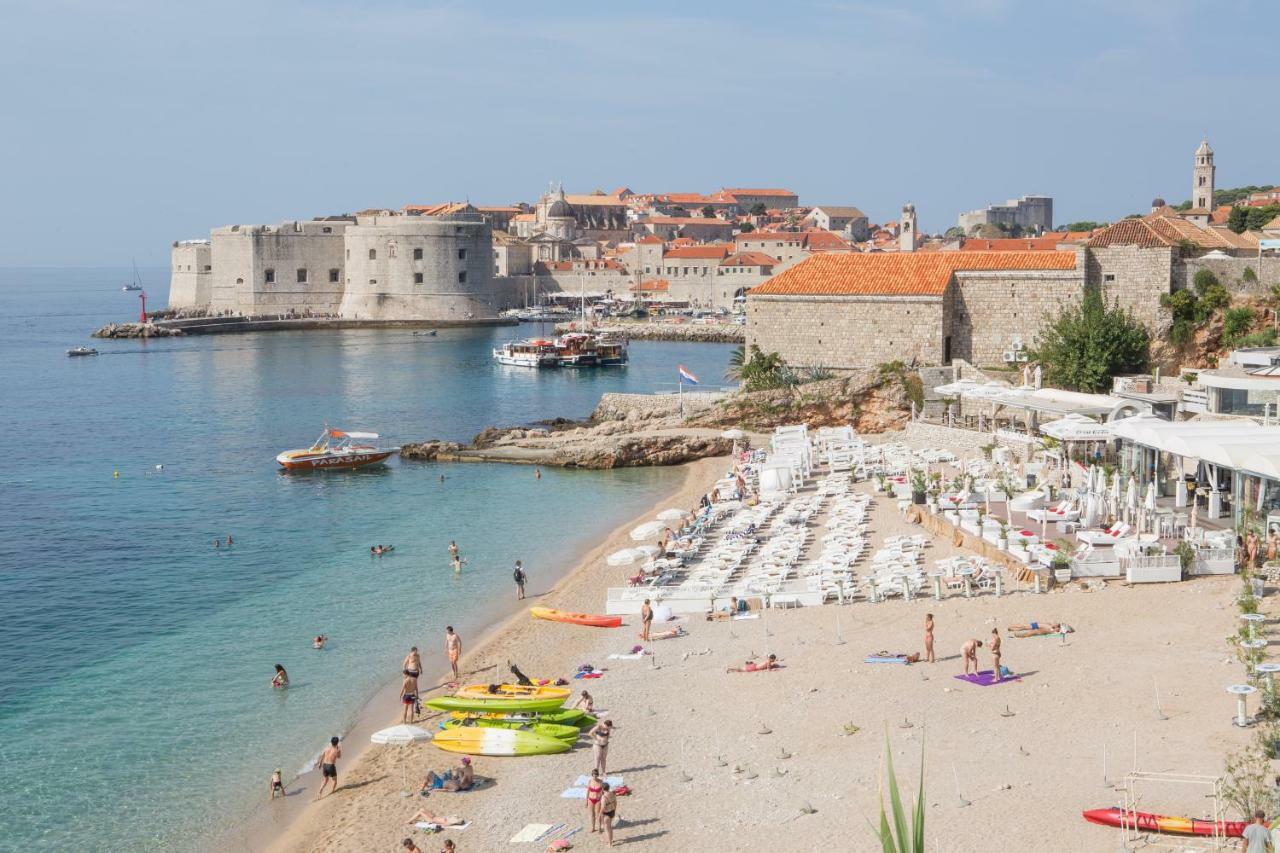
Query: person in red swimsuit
x: 594, y: 789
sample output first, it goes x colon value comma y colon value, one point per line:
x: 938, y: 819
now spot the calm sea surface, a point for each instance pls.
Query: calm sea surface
x: 135, y: 711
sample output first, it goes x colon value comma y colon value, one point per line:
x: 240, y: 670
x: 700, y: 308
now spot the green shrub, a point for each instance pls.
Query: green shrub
x: 1265, y: 338
x: 1249, y: 275
x: 1235, y: 322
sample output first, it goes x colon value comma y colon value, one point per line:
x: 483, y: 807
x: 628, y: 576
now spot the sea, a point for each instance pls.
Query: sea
x: 135, y: 658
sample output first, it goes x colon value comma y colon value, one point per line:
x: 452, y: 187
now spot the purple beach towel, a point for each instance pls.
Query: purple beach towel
x: 986, y: 678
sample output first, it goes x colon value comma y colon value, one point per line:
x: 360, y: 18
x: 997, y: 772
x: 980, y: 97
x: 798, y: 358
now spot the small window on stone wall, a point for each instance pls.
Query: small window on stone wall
x: 462, y: 277
x: 462, y: 254
x: 417, y: 254
x: 333, y: 275
x: 269, y: 276
x: 302, y: 276
x: 373, y: 254
x: 417, y: 278
x: 1108, y: 278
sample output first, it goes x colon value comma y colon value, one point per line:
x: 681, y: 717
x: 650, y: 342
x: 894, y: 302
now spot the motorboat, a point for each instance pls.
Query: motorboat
x: 531, y: 353
x: 611, y: 351
x: 77, y: 351
x: 577, y: 349
x: 336, y: 449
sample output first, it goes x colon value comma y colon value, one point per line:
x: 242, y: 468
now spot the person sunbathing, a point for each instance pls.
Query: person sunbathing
x: 461, y: 779
x: 678, y: 631
x: 1035, y: 629
x: 752, y: 666
x: 439, y: 820
x: 914, y: 657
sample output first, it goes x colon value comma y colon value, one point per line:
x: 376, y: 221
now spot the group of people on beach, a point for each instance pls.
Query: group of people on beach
x: 968, y: 651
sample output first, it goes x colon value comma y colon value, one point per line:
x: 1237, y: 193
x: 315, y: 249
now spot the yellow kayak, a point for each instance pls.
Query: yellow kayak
x: 511, y: 691
x: 487, y: 741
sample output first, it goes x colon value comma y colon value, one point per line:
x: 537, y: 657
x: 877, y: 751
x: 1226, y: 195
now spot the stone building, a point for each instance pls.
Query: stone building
x: 1030, y: 211
x: 1202, y: 179
x: 856, y: 310
x: 908, y: 229
x: 738, y: 274
x: 693, y: 227
x: 790, y: 247
x: 511, y: 255
x: 191, y: 280
x: 296, y: 266
x: 832, y: 218
x: 772, y: 199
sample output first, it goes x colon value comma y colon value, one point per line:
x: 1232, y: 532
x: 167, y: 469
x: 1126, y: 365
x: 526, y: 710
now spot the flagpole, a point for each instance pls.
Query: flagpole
x: 680, y: 395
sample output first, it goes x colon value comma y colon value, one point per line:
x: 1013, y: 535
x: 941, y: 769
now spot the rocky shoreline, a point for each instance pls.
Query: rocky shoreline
x: 724, y: 333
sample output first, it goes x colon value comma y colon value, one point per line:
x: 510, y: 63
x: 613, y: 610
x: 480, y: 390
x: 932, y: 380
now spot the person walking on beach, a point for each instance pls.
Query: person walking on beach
x: 408, y: 698
x: 277, y: 784
x: 608, y: 811
x: 453, y: 648
x: 928, y: 638
x: 520, y: 578
x: 600, y: 745
x: 646, y: 620
x: 595, y: 787
x: 329, y: 766
x: 995, y: 654
x: 970, y: 653
x: 1256, y: 837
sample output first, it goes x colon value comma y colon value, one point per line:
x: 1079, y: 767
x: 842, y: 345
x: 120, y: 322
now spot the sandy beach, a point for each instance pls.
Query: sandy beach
x: 756, y: 761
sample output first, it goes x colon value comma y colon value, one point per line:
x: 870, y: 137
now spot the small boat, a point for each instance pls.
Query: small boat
x: 512, y: 691
x: 495, y: 705
x: 76, y: 351
x: 136, y: 284
x: 498, y: 742
x: 531, y: 353
x: 594, y: 621
x: 611, y: 352
x: 1147, y: 822
x: 555, y: 730
x: 335, y: 449
x: 562, y: 717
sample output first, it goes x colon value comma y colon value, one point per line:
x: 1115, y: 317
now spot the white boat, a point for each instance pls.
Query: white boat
x: 335, y: 448
x: 531, y: 353
x: 75, y: 351
x: 136, y: 284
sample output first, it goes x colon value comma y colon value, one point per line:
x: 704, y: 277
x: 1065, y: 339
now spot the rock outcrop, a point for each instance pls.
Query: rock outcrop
x: 428, y: 451
x: 136, y: 330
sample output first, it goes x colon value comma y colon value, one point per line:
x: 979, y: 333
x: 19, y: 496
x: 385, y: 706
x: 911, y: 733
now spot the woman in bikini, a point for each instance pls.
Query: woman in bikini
x: 585, y: 703
x: 608, y: 809
x: 928, y: 638
x: 281, y: 678
x: 752, y: 666
x: 594, y: 789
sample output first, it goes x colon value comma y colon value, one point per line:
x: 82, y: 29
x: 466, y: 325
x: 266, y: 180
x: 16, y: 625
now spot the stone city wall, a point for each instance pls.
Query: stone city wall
x: 1230, y: 272
x: 1135, y: 277
x: 993, y: 310
x: 191, y: 276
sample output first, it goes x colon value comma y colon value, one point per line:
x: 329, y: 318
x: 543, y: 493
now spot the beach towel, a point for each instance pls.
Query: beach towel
x: 436, y: 827
x: 531, y: 832
x: 986, y: 678
x: 741, y: 616
x: 890, y: 659
x: 573, y: 794
x: 584, y: 780
x: 589, y: 675
x: 632, y: 656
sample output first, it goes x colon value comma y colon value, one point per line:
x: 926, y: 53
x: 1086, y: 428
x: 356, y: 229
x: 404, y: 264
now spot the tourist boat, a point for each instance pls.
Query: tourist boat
x: 335, y: 449
x: 611, y: 352
x: 577, y: 349
x: 531, y: 353
x: 75, y: 351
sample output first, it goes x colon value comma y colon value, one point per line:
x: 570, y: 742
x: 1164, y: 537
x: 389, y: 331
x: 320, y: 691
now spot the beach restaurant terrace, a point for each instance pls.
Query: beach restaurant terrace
x: 1234, y: 465
x: 985, y: 405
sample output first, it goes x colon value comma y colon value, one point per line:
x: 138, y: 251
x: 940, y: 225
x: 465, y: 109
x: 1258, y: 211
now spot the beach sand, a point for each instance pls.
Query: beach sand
x: 1006, y: 767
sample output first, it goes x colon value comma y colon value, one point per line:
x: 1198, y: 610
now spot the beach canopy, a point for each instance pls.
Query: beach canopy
x: 648, y: 530
x: 401, y: 735
x: 1076, y: 427
x: 625, y: 557
x: 672, y: 514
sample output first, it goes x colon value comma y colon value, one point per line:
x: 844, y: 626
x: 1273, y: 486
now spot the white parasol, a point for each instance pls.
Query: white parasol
x: 1131, y: 500
x: 1089, y: 512
x: 401, y: 735
x: 648, y: 530
x: 647, y: 550
x: 672, y: 514
x: 625, y: 557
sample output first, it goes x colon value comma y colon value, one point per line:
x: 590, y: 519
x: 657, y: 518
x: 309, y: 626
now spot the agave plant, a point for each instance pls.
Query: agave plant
x: 901, y: 836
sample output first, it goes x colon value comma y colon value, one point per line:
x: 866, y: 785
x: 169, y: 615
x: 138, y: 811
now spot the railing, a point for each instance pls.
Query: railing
x: 1165, y: 567
x: 1214, y: 561
x: 1194, y: 400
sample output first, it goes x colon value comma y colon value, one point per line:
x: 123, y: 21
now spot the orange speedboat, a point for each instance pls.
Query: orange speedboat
x: 336, y: 449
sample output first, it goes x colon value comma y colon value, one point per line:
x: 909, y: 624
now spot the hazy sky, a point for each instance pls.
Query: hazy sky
x: 125, y: 125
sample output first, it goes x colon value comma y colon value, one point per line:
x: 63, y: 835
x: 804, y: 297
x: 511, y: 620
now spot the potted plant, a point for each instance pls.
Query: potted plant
x: 1004, y: 537
x: 882, y: 483
x: 919, y: 484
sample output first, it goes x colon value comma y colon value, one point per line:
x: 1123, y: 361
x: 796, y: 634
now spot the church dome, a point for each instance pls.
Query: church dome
x: 560, y: 208
x: 1157, y: 202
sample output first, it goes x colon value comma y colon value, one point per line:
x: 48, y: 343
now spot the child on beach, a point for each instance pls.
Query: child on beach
x: 277, y: 784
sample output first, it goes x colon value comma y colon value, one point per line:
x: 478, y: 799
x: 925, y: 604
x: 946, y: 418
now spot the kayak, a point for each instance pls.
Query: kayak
x: 562, y: 717
x: 1160, y: 823
x: 555, y: 730
x: 496, y: 705
x: 576, y: 618
x: 471, y: 740
x: 512, y: 691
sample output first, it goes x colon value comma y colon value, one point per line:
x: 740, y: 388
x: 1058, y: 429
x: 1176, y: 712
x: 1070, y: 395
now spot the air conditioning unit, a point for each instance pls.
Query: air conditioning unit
x: 1022, y: 356
x: 1010, y: 356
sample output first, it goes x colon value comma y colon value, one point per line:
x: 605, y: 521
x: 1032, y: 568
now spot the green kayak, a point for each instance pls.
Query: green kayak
x: 487, y: 706
x: 563, y: 717
x: 569, y: 733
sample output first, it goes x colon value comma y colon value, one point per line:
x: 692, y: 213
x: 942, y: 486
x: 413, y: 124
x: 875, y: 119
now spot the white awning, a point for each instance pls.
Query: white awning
x: 1076, y: 427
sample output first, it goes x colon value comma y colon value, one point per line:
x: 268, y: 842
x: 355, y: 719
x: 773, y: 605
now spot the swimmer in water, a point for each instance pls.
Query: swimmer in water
x: 319, y: 641
x: 281, y: 678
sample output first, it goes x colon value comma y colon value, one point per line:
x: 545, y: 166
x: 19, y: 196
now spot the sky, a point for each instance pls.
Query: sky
x: 127, y: 125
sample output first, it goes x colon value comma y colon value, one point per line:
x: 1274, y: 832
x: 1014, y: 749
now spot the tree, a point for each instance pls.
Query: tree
x: 758, y: 209
x: 1238, y: 219
x: 679, y: 211
x: 953, y: 232
x: 708, y: 212
x: 1089, y: 342
x: 746, y: 228
x: 1236, y: 322
x: 737, y: 358
x: 1083, y: 225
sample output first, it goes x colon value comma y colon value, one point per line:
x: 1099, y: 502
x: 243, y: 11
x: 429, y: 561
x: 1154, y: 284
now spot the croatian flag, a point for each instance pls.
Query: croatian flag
x: 686, y: 375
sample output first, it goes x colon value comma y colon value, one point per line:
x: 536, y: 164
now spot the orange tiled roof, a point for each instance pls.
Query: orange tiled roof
x: 899, y: 273
x: 770, y: 237
x: 1273, y: 224
x: 842, y: 212
x: 750, y: 259
x: 649, y: 239
x: 652, y: 285
x: 707, y: 251
x: 597, y: 200
x: 686, y: 220
x: 1011, y: 244
x: 524, y: 217
x: 818, y: 240
x: 1167, y: 231
x: 750, y: 191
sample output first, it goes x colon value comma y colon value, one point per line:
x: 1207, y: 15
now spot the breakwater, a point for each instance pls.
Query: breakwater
x: 234, y: 325
x: 724, y: 333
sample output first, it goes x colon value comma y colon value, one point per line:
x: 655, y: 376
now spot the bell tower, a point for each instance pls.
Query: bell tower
x: 908, y: 239
x: 1202, y: 177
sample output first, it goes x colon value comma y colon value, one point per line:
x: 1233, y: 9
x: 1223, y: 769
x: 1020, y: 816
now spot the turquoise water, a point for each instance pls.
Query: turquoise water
x: 135, y: 711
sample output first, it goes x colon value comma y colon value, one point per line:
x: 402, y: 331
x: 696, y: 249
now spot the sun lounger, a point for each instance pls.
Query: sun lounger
x: 1104, y: 537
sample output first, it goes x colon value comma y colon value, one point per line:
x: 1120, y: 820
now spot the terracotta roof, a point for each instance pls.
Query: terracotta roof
x: 749, y: 191
x: 1168, y: 231
x: 750, y: 259
x: 650, y: 239
x: 686, y: 220
x: 435, y: 209
x: 1220, y: 215
x: 697, y: 198
x: 708, y: 251
x: 824, y: 241
x: 1273, y: 224
x: 899, y: 273
x: 593, y: 199
x: 770, y: 237
x: 653, y: 284
x: 843, y: 212
x: 1010, y: 244
x: 524, y: 217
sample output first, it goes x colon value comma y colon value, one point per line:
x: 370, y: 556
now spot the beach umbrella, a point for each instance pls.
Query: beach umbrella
x: 1114, y: 503
x: 625, y: 557
x: 1131, y: 500
x: 401, y: 735
x: 647, y: 550
x: 648, y: 530
x: 672, y: 514
x: 1088, y: 510
x: 735, y: 435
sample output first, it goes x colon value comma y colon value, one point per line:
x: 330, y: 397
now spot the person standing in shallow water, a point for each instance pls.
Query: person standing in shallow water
x: 520, y: 579
x: 329, y: 766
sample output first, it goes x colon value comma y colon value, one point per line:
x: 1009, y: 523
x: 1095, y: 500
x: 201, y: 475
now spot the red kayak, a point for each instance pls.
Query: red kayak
x: 590, y: 619
x: 1160, y: 823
